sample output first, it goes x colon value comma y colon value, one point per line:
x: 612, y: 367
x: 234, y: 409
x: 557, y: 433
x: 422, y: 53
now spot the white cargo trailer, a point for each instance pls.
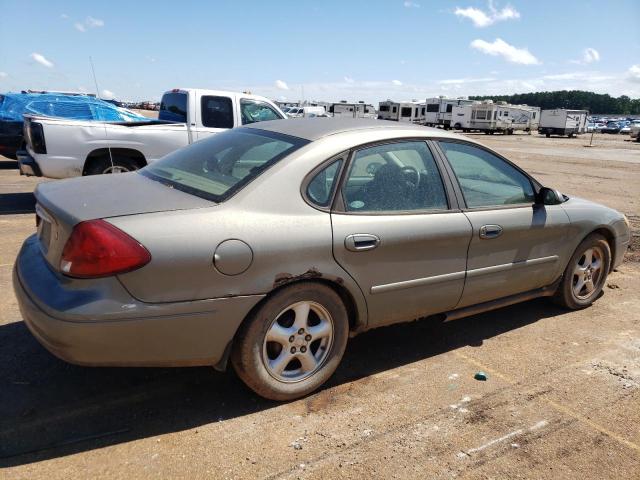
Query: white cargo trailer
x: 562, y: 122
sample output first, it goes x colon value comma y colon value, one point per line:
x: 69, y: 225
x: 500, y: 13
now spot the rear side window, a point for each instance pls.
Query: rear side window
x: 321, y: 187
x: 217, y: 112
x: 486, y: 179
x: 399, y: 176
x: 173, y: 107
x: 253, y: 112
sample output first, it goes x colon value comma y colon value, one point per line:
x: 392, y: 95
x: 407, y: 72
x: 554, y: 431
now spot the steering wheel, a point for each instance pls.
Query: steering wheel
x: 410, y: 172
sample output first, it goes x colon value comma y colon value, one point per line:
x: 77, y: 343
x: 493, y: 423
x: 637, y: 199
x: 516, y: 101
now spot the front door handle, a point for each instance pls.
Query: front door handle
x: 360, y: 242
x: 490, y: 231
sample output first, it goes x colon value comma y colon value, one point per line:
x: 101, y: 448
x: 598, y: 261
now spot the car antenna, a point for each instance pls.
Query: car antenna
x: 95, y: 81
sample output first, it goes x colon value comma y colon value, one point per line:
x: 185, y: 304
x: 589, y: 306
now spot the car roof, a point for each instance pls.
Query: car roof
x: 315, y: 128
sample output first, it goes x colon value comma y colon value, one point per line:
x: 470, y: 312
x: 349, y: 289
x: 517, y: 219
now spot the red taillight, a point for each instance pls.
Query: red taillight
x: 98, y: 249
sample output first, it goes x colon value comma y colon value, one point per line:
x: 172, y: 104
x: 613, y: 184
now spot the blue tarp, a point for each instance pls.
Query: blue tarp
x: 77, y: 107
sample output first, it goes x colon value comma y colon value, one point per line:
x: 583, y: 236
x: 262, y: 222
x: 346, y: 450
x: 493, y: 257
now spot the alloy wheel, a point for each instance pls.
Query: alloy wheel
x: 587, y: 273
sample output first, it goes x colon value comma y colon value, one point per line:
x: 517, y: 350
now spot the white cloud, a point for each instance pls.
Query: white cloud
x: 42, y: 60
x: 411, y: 5
x: 280, y: 85
x: 589, y: 55
x: 107, y: 94
x: 502, y: 49
x: 397, y: 83
x: 633, y: 73
x: 94, y: 22
x: 89, y: 22
x: 463, y: 81
x: 349, y: 79
x: 482, y: 19
x: 4, y: 74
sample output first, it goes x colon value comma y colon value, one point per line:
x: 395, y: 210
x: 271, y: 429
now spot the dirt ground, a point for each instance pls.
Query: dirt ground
x: 562, y: 399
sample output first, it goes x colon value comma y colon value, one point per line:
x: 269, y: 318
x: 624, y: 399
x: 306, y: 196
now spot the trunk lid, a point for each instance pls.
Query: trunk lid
x: 64, y: 203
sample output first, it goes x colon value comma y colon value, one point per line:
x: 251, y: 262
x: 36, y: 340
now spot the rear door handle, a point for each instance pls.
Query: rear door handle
x: 490, y: 231
x: 360, y: 242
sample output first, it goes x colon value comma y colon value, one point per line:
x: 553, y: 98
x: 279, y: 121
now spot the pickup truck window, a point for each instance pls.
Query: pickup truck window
x: 217, y: 112
x: 173, y: 107
x: 252, y: 112
x: 218, y: 167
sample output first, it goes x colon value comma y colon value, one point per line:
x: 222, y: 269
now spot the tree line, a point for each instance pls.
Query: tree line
x: 572, y: 99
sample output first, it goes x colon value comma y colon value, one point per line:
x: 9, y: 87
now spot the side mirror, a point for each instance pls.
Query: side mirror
x: 549, y: 196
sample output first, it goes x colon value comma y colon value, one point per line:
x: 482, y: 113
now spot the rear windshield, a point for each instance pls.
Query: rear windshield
x: 221, y: 165
x: 173, y: 107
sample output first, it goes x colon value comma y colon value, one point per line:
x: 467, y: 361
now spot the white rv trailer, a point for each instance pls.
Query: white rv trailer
x: 438, y: 111
x: 562, y: 122
x: 354, y: 110
x: 411, y: 112
x: 388, y: 110
x: 489, y: 117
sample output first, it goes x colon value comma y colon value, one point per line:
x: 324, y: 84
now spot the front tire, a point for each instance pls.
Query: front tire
x: 293, y: 343
x: 586, y: 274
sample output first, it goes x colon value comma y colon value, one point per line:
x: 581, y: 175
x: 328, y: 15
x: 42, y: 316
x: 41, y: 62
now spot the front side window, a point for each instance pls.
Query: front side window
x: 486, y: 179
x: 394, y: 177
x: 320, y: 188
x: 217, y: 112
x: 252, y: 112
x: 219, y: 166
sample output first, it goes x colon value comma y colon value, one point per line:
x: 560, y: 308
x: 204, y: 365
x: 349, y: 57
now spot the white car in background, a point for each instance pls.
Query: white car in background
x: 62, y: 148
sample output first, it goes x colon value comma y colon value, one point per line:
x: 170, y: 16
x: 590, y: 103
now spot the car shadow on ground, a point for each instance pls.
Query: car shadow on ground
x: 14, y: 203
x: 51, y: 409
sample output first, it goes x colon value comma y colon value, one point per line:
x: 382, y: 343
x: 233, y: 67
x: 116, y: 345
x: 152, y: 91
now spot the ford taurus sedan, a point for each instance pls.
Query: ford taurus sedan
x: 269, y: 245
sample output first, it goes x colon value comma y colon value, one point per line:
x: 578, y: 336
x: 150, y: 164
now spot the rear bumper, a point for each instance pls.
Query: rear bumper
x: 27, y: 164
x: 98, y: 323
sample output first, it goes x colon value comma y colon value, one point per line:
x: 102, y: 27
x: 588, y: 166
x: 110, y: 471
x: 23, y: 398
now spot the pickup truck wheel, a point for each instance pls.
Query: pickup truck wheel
x: 102, y: 165
x: 293, y: 343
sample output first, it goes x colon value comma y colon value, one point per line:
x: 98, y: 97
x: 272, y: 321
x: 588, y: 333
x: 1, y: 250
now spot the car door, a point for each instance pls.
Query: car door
x: 215, y: 115
x: 516, y: 244
x: 398, y: 232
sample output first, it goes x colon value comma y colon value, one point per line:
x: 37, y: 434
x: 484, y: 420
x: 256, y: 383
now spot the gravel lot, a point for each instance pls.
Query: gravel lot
x: 562, y: 399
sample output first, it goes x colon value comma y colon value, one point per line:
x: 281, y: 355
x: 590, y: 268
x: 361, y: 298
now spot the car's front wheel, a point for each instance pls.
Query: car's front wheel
x: 585, y: 274
x: 293, y: 343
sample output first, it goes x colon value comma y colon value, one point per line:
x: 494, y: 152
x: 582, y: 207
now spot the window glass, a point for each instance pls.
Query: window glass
x: 394, y: 177
x: 173, y: 107
x: 395, y: 109
x: 384, y: 108
x: 320, y: 189
x: 217, y: 167
x: 405, y: 111
x: 252, y: 112
x: 217, y: 112
x: 449, y: 108
x: 433, y: 107
x: 487, y: 180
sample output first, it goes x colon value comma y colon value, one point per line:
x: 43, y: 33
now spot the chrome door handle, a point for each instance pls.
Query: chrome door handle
x: 359, y: 242
x: 490, y: 231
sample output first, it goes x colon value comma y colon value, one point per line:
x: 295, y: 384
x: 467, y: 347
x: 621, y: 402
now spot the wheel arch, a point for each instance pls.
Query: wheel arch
x: 357, y: 319
x: 610, y: 237
x: 130, y: 153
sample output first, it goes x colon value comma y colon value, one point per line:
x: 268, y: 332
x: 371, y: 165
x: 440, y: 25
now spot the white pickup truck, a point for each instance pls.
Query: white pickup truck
x: 62, y: 148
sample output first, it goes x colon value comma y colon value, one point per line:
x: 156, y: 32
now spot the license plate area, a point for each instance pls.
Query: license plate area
x: 45, y: 226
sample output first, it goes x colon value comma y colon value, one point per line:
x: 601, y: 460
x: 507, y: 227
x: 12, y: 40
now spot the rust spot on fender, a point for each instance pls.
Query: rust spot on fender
x: 284, y: 277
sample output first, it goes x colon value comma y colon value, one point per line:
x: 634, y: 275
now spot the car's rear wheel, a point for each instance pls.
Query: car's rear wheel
x: 115, y: 164
x: 585, y: 274
x: 293, y: 343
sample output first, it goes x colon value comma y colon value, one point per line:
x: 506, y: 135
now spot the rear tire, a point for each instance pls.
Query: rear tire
x: 293, y: 343
x: 585, y: 275
x: 102, y: 165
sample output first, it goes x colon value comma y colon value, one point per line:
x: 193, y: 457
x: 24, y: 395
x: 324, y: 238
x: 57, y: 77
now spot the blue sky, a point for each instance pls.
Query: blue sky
x: 330, y: 50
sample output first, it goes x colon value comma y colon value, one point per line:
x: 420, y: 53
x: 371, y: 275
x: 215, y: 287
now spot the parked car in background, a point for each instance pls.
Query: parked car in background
x: 300, y: 112
x: 70, y: 105
x: 634, y: 131
x: 60, y: 148
x: 595, y: 127
x: 611, y: 127
x: 185, y: 262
